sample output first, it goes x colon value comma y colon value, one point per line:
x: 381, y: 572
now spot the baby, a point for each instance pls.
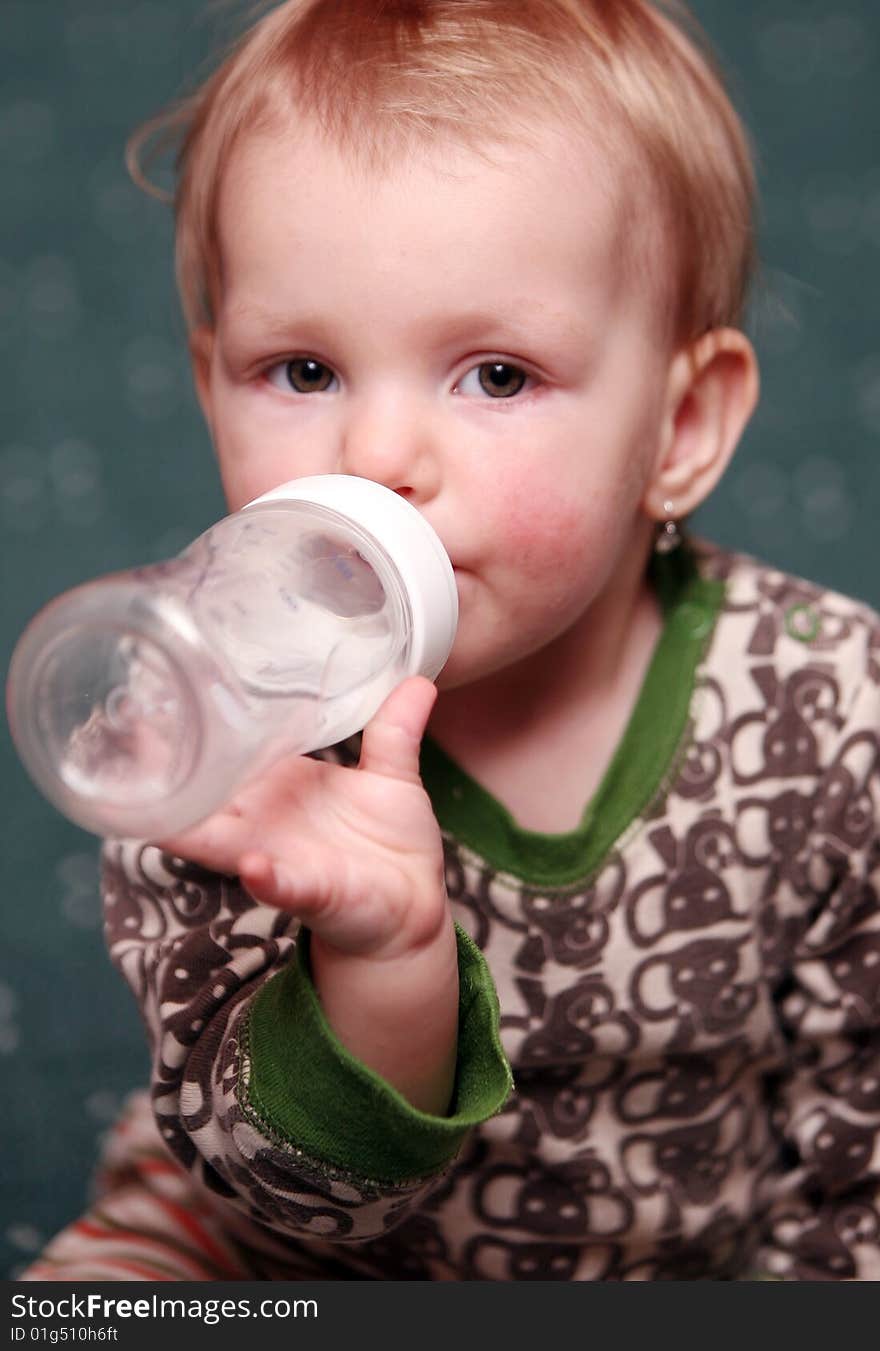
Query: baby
x: 584, y: 984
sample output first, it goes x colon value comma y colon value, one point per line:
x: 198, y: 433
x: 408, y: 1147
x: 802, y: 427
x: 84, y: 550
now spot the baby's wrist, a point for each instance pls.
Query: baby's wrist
x: 397, y: 1013
x: 390, y: 969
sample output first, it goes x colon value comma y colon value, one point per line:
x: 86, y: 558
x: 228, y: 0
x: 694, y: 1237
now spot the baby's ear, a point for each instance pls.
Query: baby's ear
x: 201, y: 347
x: 712, y: 391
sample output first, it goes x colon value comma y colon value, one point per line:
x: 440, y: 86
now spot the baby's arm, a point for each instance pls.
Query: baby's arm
x: 253, y: 1092
x: 357, y: 857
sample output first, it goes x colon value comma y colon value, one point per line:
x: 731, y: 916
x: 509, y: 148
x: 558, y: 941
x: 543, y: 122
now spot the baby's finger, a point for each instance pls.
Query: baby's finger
x: 215, y: 843
x: 265, y: 880
x: 350, y: 921
x: 391, y: 740
x: 304, y: 890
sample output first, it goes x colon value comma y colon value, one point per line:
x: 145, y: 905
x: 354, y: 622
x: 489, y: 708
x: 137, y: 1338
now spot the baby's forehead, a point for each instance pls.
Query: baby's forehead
x: 548, y: 186
x: 560, y: 168
x: 639, y: 95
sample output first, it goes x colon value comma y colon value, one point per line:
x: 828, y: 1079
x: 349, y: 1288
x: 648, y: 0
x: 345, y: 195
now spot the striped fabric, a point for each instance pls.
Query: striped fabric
x: 147, y: 1222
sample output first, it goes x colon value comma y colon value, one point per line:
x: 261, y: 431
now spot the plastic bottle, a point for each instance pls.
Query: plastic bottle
x: 140, y: 702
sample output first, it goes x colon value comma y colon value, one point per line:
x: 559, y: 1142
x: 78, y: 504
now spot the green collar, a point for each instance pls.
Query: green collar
x: 649, y: 752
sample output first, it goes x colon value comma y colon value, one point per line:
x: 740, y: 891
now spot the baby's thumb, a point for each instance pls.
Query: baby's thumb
x: 391, y: 740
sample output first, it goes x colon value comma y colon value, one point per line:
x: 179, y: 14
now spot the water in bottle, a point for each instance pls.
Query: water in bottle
x: 140, y: 702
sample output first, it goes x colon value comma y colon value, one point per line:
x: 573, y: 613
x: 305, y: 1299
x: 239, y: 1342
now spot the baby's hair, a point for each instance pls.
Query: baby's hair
x: 382, y: 76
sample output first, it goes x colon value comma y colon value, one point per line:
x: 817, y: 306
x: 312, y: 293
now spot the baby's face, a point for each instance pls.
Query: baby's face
x: 459, y: 331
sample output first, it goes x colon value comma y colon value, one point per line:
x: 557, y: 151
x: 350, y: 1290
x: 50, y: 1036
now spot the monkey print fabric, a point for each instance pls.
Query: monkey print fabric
x: 691, y: 1016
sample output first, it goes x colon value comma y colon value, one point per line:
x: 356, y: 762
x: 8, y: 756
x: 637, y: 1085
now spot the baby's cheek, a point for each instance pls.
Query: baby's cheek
x: 543, y: 532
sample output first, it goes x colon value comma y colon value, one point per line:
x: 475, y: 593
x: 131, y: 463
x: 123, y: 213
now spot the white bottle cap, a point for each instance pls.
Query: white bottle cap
x: 408, y: 540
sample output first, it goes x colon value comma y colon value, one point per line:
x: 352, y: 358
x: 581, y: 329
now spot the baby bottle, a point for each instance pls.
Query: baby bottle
x: 141, y: 701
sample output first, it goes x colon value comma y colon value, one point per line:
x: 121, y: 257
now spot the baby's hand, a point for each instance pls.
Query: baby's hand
x: 354, y: 853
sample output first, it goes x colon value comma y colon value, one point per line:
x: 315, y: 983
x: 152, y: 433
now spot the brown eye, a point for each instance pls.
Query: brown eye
x: 308, y: 376
x: 500, y: 380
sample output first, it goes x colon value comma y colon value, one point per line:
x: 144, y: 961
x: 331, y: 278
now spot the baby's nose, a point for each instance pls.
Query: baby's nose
x: 391, y: 443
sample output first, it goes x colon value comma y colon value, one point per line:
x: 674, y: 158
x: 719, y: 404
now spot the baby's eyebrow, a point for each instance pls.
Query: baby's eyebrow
x: 271, y: 322
x: 520, y: 323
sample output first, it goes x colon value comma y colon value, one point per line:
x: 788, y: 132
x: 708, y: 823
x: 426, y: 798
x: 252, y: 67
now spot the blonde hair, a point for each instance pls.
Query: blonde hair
x: 383, y: 74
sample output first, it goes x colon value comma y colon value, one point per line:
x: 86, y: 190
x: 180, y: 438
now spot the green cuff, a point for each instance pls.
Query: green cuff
x: 306, y: 1090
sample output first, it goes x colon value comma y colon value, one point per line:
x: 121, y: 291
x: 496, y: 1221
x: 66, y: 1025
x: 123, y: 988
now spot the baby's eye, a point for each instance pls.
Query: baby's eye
x: 303, y: 375
x: 498, y: 379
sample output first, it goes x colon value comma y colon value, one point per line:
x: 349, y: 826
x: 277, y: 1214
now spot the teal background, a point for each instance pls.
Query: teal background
x: 104, y: 462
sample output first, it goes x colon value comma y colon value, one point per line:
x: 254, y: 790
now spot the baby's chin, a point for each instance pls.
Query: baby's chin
x: 469, y: 664
x: 449, y: 679
x: 461, y: 669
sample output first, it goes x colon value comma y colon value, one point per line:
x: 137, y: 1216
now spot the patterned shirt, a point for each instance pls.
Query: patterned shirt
x: 686, y: 988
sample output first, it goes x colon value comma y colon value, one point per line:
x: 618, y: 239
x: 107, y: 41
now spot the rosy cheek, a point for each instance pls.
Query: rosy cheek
x: 540, y: 529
